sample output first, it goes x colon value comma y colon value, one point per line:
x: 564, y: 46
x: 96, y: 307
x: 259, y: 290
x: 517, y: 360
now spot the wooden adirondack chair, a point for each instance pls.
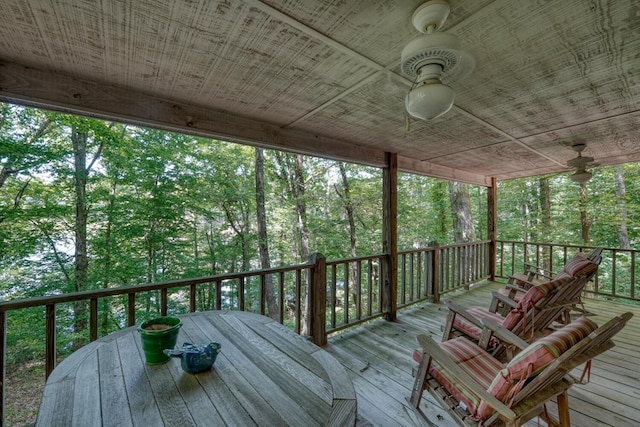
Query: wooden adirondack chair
x: 529, y: 318
x: 534, y: 274
x: 478, y: 390
x: 585, y: 265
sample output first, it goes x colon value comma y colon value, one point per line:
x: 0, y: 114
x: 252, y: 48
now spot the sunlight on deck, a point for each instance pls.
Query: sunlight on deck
x: 378, y: 358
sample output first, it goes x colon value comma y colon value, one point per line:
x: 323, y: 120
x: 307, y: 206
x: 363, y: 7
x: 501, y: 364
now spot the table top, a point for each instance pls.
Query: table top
x: 265, y: 375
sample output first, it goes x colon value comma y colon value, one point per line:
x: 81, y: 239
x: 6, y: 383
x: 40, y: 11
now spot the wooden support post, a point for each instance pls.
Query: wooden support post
x: 317, y: 314
x: 492, y: 226
x: 390, y: 237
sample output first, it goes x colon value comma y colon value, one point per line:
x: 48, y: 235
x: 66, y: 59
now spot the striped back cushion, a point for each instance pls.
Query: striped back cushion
x: 476, y: 362
x: 565, y: 338
x: 532, y: 360
x: 580, y: 263
x: 530, y: 299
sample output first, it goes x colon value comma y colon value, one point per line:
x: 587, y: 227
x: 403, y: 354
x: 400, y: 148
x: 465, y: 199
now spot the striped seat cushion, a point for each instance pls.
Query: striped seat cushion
x: 468, y: 328
x: 533, y: 360
x: 476, y: 362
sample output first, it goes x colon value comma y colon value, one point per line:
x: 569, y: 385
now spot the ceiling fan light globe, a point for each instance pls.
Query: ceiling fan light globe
x: 581, y: 177
x: 429, y: 100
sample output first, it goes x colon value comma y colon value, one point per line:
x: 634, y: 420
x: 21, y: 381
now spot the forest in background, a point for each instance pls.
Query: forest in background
x: 89, y: 204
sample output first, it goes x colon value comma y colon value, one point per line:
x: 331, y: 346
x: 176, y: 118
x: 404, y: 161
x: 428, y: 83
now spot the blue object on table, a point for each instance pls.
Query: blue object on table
x: 196, y: 358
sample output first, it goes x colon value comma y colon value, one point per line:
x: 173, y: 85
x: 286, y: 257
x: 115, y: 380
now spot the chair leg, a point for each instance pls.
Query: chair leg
x: 563, y: 412
x: 448, y: 327
x: 563, y: 409
x: 419, y: 383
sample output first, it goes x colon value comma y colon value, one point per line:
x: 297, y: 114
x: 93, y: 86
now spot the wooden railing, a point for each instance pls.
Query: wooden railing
x: 615, y: 279
x: 314, y: 299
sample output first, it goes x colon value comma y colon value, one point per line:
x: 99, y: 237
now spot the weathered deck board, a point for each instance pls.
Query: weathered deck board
x: 378, y: 358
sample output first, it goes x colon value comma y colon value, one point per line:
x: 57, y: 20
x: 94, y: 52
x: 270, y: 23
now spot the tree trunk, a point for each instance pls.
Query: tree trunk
x: 621, y: 194
x: 585, y: 224
x: 298, y: 184
x: 263, y: 246
x: 463, y: 229
x: 79, y: 141
x: 292, y: 168
x: 545, y: 206
x: 107, y: 258
x: 345, y: 195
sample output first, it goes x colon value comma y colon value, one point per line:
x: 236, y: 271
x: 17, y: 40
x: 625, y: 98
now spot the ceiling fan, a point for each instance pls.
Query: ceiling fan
x: 431, y: 59
x: 580, y: 163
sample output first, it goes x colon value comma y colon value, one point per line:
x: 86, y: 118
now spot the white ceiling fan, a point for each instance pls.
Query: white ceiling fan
x: 580, y: 163
x: 431, y: 59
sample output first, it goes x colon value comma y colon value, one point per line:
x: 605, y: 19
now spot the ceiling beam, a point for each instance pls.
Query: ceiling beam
x: 55, y: 91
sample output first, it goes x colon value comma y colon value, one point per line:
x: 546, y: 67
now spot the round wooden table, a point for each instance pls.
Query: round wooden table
x: 265, y: 375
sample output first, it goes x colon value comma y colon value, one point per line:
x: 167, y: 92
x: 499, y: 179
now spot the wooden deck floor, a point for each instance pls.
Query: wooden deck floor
x: 378, y: 358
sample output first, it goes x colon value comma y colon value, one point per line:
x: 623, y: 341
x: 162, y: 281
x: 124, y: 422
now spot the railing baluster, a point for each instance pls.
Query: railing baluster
x: 163, y: 302
x: 218, y: 294
x: 403, y: 275
x: 633, y: 275
x: 50, y: 339
x: 131, y: 309
x: 408, y: 284
x: 241, y: 284
x: 345, y: 296
x: 281, y: 295
x: 418, y: 279
x: 93, y: 319
x: 192, y: 297
x: 334, y: 295
x: 614, y: 271
x: 298, y: 301
x: 369, y: 287
x: 358, y: 284
x: 263, y: 295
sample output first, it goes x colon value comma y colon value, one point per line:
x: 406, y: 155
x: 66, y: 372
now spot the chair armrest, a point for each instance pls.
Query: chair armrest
x: 458, y: 378
x: 460, y: 310
x: 537, y: 270
x: 504, y: 335
x: 504, y: 299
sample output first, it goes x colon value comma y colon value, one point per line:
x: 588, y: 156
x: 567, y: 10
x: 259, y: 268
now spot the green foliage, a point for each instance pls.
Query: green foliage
x: 164, y: 206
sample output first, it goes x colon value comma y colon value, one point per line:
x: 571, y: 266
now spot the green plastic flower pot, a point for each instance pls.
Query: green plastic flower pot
x: 158, y: 334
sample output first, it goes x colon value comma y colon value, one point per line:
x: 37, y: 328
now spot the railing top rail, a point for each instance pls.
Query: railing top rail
x: 563, y: 245
x: 452, y: 246
x: 124, y: 290
x: 360, y: 258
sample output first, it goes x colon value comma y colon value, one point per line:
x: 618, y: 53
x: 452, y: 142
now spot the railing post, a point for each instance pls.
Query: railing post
x: 317, y: 314
x: 390, y: 237
x: 435, y: 268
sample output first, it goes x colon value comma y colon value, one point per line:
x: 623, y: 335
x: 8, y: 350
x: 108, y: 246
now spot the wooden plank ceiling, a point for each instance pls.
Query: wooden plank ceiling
x: 322, y: 77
